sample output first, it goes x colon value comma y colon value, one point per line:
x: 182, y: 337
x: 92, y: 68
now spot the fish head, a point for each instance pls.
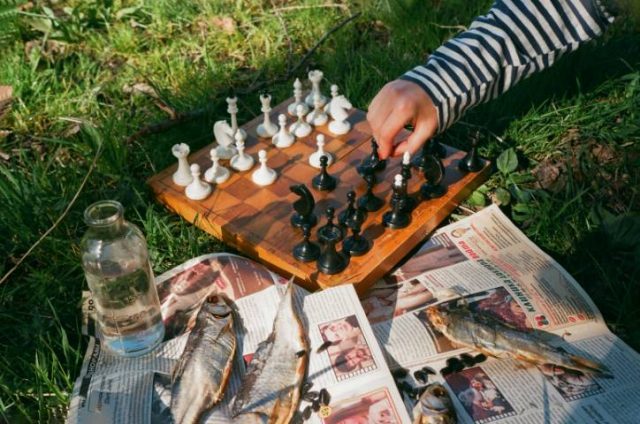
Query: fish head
x: 218, y: 305
x: 435, y: 406
x: 438, y: 317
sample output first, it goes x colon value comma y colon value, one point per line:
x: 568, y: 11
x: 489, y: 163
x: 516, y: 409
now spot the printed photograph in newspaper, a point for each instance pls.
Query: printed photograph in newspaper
x: 349, y: 353
x: 571, y: 385
x: 373, y: 407
x: 389, y: 299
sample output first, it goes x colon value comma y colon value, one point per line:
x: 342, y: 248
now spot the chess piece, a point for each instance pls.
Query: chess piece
x: 370, y: 201
x: 197, y: 189
x: 435, y: 148
x: 348, y: 212
x: 314, y: 158
x: 471, y: 162
x: 330, y: 260
x: 317, y: 116
x: 410, y: 202
x: 241, y: 161
x: 330, y: 229
x: 324, y: 181
x: 300, y: 128
x: 283, y: 138
x: 315, y: 77
x: 397, y: 217
x: 433, y: 174
x: 419, y: 161
x: 372, y: 161
x: 338, y: 108
x: 306, y: 251
x: 232, y: 109
x: 263, y: 176
x: 182, y: 176
x: 224, y: 137
x: 303, y: 207
x: 217, y: 173
x: 297, y: 95
x: 266, y: 128
x: 355, y: 244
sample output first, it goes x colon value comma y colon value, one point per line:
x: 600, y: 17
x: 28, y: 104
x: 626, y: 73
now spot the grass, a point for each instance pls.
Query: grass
x: 72, y: 64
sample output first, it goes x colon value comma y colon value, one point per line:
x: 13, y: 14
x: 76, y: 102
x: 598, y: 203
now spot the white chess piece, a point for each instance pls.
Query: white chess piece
x: 338, y: 108
x: 314, y: 159
x: 300, y: 128
x: 297, y: 95
x: 267, y: 128
x: 315, y: 77
x: 232, y: 108
x: 224, y: 137
x: 217, y: 173
x: 264, y: 175
x: 197, y: 189
x: 182, y: 176
x: 318, y: 116
x: 406, y: 158
x: 241, y: 161
x: 283, y: 138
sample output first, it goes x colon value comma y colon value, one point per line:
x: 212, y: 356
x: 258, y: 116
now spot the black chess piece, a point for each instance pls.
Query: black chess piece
x: 410, y: 202
x: 419, y: 161
x: 330, y: 229
x: 372, y: 161
x: 330, y: 260
x: 433, y: 175
x: 303, y: 207
x: 471, y: 162
x: 434, y: 147
x: 370, y: 201
x: 345, y: 215
x: 398, y: 216
x: 324, y: 181
x: 356, y: 244
x: 306, y: 251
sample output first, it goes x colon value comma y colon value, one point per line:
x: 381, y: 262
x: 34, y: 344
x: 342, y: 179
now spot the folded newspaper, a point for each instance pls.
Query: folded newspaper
x: 483, y: 258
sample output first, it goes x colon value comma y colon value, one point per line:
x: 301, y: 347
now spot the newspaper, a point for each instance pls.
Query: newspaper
x: 483, y: 259
x: 488, y: 262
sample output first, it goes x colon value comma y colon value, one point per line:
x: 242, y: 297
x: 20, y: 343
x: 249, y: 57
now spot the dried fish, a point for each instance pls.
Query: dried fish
x: 271, y: 387
x: 434, y: 406
x: 483, y: 332
x: 201, y: 375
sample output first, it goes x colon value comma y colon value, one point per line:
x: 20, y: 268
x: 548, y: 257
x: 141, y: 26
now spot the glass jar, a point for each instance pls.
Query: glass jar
x: 116, y: 264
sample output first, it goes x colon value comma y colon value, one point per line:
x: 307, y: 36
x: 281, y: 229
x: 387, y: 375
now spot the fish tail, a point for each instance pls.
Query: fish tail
x: 588, y: 365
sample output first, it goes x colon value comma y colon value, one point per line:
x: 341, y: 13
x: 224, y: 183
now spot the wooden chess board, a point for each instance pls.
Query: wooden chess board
x: 255, y: 220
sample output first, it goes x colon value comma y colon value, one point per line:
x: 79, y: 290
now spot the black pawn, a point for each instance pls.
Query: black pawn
x: 435, y: 148
x: 471, y: 162
x: 323, y: 181
x: 331, y: 261
x: 372, y: 161
x: 356, y: 245
x: 397, y: 217
x: 345, y: 215
x: 370, y: 201
x: 306, y: 251
x: 330, y: 230
x: 433, y: 175
x: 410, y: 202
x: 419, y: 161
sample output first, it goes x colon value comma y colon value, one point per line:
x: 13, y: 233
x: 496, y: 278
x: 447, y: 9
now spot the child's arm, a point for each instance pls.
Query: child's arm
x: 508, y: 44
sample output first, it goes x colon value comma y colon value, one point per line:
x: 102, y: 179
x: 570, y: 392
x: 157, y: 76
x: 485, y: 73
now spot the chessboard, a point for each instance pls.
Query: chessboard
x: 256, y: 220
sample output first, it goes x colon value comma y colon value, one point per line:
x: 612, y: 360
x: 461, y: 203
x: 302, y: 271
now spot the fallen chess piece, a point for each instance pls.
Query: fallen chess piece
x: 241, y: 161
x: 224, y: 137
x: 283, y: 138
x: 338, y: 108
x: 297, y: 95
x: 267, y: 128
x: 217, y: 173
x: 263, y: 176
x: 197, y: 189
x: 317, y: 116
x: 300, y: 128
x: 315, y: 77
x: 314, y: 158
x: 182, y: 176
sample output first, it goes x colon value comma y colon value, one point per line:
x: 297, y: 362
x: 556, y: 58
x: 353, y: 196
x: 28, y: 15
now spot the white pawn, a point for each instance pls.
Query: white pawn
x: 338, y: 108
x: 217, y: 173
x: 317, y: 117
x: 267, y: 128
x: 406, y: 158
x: 297, y: 95
x: 315, y: 77
x: 232, y: 108
x: 314, y: 159
x: 264, y: 175
x: 198, y: 189
x: 182, y: 176
x: 300, y: 128
x: 224, y: 137
x: 241, y: 161
x: 283, y: 138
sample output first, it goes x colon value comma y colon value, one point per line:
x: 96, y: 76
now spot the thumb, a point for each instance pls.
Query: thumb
x: 421, y: 133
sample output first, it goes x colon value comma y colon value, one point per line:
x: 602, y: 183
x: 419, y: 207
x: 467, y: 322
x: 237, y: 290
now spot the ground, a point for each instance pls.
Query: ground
x: 82, y: 72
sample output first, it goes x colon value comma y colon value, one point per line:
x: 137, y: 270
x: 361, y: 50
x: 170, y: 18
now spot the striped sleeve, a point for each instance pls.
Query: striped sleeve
x: 515, y: 39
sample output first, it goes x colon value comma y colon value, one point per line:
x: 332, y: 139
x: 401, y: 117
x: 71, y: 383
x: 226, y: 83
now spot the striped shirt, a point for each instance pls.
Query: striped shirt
x: 512, y: 41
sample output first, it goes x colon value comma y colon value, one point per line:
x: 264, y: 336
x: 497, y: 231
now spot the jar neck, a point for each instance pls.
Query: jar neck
x: 105, y: 218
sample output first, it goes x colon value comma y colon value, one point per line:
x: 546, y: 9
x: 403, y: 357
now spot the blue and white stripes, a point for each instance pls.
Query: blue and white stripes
x: 508, y: 44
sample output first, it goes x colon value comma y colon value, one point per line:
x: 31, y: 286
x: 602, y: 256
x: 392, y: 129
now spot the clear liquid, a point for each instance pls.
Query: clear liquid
x: 128, y: 311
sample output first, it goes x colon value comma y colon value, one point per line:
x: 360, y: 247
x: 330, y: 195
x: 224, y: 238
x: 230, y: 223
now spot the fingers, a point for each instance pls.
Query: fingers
x: 394, y: 123
x: 424, y: 130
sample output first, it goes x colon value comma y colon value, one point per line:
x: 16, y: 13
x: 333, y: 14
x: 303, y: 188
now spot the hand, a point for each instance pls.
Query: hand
x: 397, y: 104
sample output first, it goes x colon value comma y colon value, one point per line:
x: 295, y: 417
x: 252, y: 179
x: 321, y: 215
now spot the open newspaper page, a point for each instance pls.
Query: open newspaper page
x: 344, y: 356
x: 489, y: 264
